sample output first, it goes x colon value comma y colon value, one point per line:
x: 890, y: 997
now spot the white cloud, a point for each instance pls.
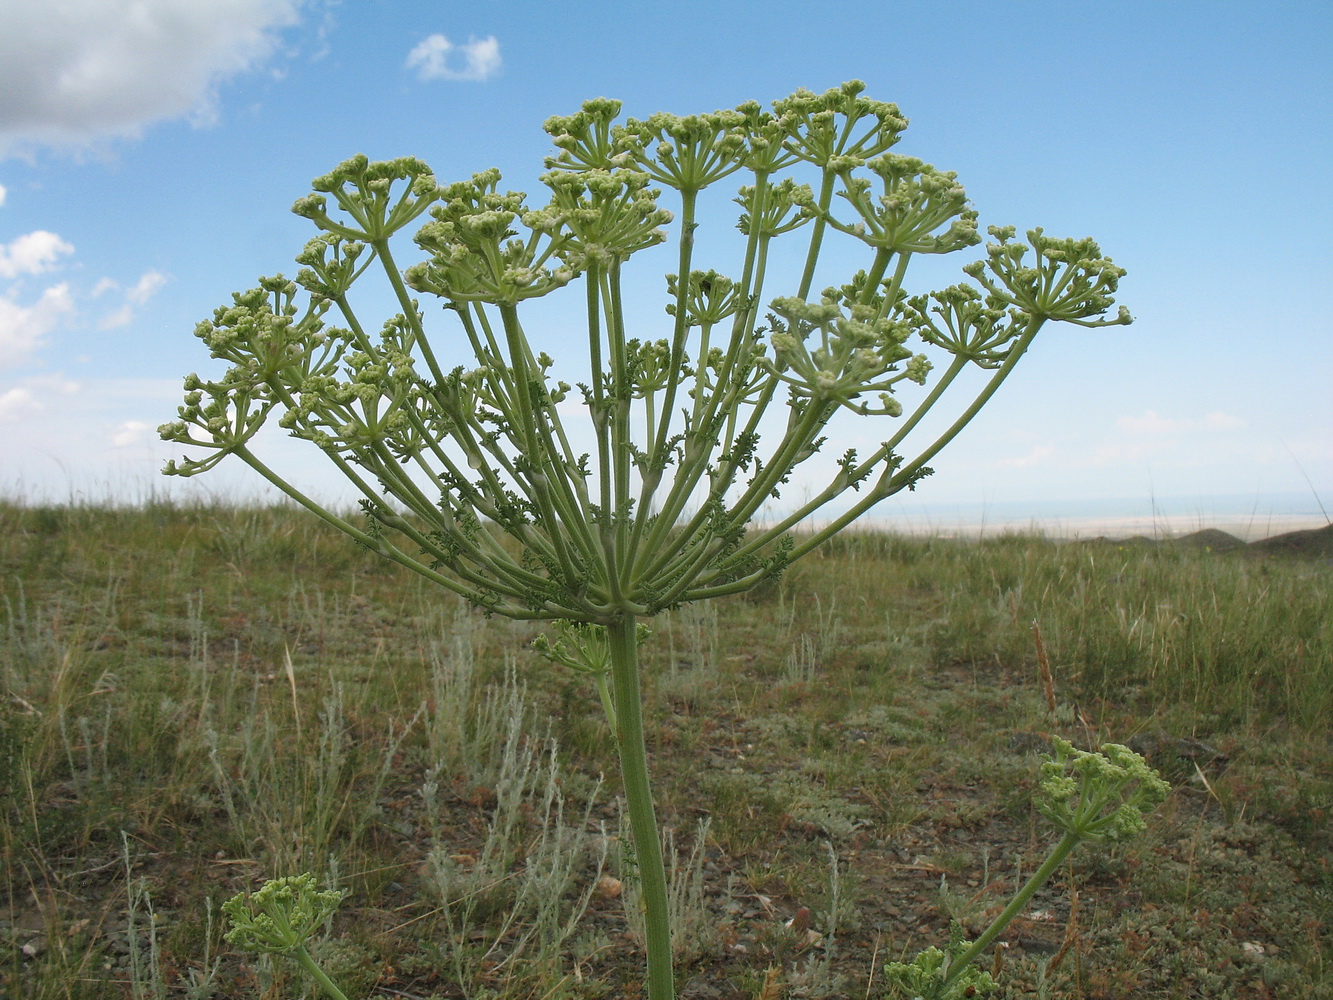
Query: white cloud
x: 3, y: 192
x: 145, y: 287
x: 130, y: 433
x: 123, y: 316
x: 137, y: 295
x: 1035, y: 456
x: 74, y: 72
x: 17, y: 403
x: 23, y: 327
x: 480, y: 58
x: 1211, y: 441
x: 26, y: 400
x: 1151, y: 423
x: 32, y: 253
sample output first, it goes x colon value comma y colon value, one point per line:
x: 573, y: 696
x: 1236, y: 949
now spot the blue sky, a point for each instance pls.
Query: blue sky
x: 149, y: 153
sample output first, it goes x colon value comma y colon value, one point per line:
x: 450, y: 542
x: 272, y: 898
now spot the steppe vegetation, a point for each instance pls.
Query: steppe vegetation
x: 196, y: 699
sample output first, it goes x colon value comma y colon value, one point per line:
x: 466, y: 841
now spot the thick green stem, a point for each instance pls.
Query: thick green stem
x: 1057, y: 856
x: 622, y: 634
x: 302, y: 957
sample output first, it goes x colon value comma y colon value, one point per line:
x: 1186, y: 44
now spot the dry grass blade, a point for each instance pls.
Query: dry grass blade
x: 1044, y: 665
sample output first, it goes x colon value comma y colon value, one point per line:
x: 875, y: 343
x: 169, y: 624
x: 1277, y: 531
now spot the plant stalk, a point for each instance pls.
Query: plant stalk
x: 1057, y: 856
x: 622, y: 636
x: 303, y: 959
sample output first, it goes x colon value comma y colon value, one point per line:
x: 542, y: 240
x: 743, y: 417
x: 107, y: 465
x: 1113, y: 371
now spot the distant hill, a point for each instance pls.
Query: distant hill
x: 1314, y: 542
x: 1311, y: 542
x: 1210, y: 538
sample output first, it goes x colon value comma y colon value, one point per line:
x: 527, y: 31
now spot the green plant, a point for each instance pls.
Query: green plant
x: 527, y: 890
x: 147, y: 967
x: 694, y: 931
x: 471, y: 477
x: 297, y: 814
x: 280, y: 918
x: 1089, y: 797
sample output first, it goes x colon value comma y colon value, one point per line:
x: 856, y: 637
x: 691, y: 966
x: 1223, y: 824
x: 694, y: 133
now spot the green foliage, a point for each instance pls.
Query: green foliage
x: 927, y: 976
x: 281, y: 916
x: 659, y: 512
x: 516, y: 903
x: 1099, y: 796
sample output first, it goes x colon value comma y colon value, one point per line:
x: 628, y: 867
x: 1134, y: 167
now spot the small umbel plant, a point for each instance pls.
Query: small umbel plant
x: 598, y: 495
x: 1088, y: 797
x: 280, y: 918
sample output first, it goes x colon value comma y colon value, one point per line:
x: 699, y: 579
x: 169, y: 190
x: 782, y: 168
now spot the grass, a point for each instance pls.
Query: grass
x: 194, y: 699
